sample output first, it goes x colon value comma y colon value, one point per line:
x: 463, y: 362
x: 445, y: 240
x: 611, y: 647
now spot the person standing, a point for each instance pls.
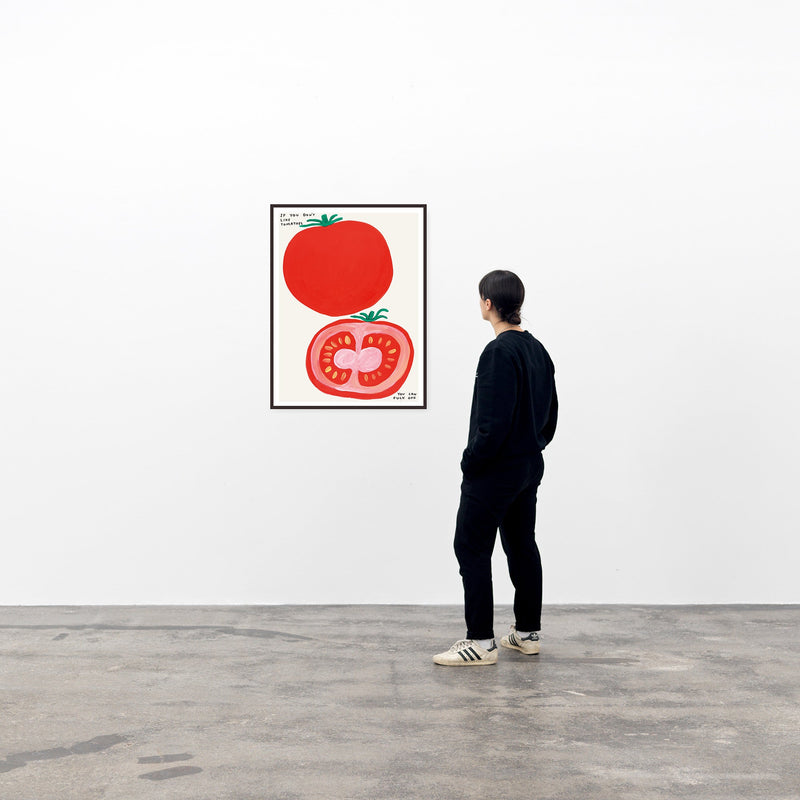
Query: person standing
x: 513, y: 418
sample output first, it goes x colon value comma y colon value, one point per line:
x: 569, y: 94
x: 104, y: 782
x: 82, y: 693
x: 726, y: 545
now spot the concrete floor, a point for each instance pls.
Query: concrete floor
x: 288, y: 703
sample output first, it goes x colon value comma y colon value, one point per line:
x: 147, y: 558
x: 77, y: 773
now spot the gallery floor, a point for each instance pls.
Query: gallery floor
x: 288, y: 703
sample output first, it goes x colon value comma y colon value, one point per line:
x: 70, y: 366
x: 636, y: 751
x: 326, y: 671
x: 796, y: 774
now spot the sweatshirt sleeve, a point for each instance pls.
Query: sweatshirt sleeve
x: 493, y: 408
x: 549, y: 430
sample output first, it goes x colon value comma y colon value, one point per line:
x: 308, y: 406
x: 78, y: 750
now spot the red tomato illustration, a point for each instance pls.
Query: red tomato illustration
x: 365, y: 359
x: 338, y: 267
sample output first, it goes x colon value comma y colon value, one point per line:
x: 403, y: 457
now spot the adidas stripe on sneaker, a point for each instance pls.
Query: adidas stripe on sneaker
x: 467, y: 653
x: 525, y: 644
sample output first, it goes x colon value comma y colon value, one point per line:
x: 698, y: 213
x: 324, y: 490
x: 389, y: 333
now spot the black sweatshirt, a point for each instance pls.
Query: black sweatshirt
x: 514, y: 404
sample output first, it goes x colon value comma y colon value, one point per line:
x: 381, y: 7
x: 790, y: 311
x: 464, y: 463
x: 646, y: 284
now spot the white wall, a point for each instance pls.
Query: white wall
x: 636, y: 163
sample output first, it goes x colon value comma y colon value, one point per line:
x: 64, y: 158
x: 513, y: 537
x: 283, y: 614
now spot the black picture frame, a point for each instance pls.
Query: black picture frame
x: 282, y: 219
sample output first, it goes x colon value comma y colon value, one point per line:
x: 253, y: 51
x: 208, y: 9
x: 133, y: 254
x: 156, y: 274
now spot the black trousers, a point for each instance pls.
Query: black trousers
x: 504, y: 499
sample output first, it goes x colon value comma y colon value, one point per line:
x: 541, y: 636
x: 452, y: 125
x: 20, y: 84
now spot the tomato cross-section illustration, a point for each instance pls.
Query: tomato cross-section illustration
x: 336, y: 266
x: 360, y: 359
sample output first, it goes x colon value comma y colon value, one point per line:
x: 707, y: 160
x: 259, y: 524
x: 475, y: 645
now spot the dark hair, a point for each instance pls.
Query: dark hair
x: 506, y: 292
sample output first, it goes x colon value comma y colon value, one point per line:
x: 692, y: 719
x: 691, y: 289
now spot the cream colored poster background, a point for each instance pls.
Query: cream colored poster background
x: 295, y: 325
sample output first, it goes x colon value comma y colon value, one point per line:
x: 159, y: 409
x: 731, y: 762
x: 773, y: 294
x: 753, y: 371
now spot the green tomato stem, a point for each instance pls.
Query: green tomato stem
x: 325, y: 222
x: 371, y: 316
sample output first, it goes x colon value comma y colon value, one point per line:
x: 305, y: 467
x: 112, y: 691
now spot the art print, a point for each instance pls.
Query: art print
x: 348, y: 306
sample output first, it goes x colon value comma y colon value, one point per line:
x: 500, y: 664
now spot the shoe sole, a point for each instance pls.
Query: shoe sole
x: 519, y: 649
x: 464, y: 663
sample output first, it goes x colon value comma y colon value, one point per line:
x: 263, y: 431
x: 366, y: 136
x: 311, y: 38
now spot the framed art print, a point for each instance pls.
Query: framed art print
x: 348, y: 306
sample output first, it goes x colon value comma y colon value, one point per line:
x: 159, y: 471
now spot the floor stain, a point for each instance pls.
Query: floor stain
x: 229, y: 630
x: 623, y: 662
x: 172, y: 772
x: 99, y: 743
x: 166, y: 759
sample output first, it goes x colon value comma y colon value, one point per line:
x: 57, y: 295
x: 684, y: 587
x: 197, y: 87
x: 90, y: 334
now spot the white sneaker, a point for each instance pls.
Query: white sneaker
x: 466, y: 653
x: 529, y: 645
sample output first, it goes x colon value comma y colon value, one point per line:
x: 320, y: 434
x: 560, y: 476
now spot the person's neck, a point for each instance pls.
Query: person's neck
x: 501, y: 327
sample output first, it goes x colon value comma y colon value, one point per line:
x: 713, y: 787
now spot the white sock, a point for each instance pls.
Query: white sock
x: 523, y: 634
x: 486, y: 644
